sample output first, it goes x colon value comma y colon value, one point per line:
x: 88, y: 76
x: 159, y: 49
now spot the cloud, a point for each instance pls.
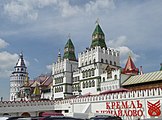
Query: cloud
x: 99, y: 5
x: 49, y: 67
x: 7, y: 63
x: 3, y: 44
x: 67, y: 10
x: 36, y: 60
x: 120, y: 41
x: 121, y: 45
x: 28, y: 10
x: 124, y: 52
x: 20, y: 11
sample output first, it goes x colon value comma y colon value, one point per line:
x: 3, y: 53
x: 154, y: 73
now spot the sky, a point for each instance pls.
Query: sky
x: 39, y: 28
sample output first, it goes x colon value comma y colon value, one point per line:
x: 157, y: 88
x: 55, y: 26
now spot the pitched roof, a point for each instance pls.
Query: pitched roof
x: 98, y: 30
x: 148, y: 77
x: 69, y: 44
x: 47, y: 81
x: 130, y: 67
x: 20, y: 61
x: 36, y: 90
x: 98, y: 37
x: 69, y: 51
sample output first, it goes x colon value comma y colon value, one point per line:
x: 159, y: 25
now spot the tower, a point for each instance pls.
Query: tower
x: 17, y: 78
x: 94, y: 60
x: 69, y: 51
x: 130, y: 67
x: 62, y: 72
x: 98, y: 37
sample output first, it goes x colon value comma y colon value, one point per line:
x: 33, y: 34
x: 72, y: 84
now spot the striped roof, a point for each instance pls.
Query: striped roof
x: 148, y: 77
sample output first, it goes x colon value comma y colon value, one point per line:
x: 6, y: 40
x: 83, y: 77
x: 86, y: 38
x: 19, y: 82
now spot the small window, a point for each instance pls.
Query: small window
x: 94, y: 60
x: 93, y: 83
x: 102, y: 60
x: 115, y: 77
x: 103, y: 79
x: 83, y: 85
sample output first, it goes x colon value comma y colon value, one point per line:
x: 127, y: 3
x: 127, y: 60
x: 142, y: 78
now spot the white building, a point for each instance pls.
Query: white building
x: 17, y: 78
x: 91, y: 74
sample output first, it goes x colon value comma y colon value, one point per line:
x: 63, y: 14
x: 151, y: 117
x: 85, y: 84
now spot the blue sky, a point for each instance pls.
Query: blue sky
x: 39, y: 28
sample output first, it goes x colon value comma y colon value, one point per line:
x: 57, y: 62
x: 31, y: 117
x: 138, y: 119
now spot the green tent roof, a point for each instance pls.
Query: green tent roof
x: 69, y: 44
x: 70, y: 54
x: 98, y: 30
x: 99, y: 41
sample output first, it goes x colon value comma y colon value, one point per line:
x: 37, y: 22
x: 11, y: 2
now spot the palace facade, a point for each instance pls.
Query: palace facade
x: 96, y: 70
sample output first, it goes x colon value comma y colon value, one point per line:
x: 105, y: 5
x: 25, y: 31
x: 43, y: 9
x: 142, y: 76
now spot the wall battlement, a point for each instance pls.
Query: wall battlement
x: 85, y: 99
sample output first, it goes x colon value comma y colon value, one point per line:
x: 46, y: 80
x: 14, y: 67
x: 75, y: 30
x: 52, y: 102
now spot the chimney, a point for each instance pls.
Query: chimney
x: 141, y: 71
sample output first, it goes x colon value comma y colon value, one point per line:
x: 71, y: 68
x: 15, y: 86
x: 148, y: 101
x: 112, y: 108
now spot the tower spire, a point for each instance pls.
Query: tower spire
x: 98, y: 37
x: 130, y: 67
x: 59, y: 56
x: 69, y: 50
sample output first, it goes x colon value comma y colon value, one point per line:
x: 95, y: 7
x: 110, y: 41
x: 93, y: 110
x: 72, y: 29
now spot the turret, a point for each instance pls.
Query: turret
x: 17, y: 78
x: 69, y: 51
x: 130, y: 67
x: 98, y: 37
x: 36, y: 93
x: 59, y: 56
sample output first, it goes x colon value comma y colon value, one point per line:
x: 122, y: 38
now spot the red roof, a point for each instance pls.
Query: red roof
x: 130, y: 67
x: 114, y: 91
x: 51, y: 114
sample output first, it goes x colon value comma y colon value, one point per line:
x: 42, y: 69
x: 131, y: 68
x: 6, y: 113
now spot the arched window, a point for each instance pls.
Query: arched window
x: 103, y: 79
x: 86, y: 84
x: 89, y: 83
x: 110, y: 62
x: 83, y: 85
x: 86, y: 63
x: 102, y: 61
x: 92, y: 72
x: 90, y: 62
x: 115, y: 63
x: 115, y: 77
x: 94, y: 60
x: 83, y: 73
x: 89, y: 73
x: 86, y: 73
x: 93, y: 83
x: 110, y: 52
x: 106, y: 61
